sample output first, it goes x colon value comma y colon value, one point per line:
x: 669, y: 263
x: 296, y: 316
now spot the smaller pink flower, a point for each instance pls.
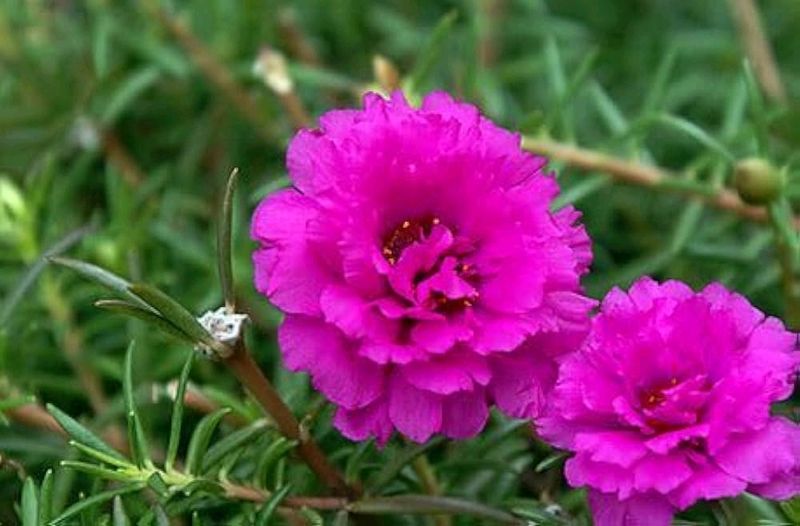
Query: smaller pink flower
x: 668, y: 403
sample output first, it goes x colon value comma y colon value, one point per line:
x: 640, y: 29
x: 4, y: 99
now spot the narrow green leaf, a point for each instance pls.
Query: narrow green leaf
x: 136, y: 437
x: 95, y: 500
x: 176, y: 314
x: 430, y: 54
x: 97, y: 470
x: 24, y: 284
x: 224, y: 260
x: 46, y: 498
x: 177, y: 414
x: 130, y: 89
x: 233, y: 443
x: 695, y: 132
x: 80, y: 434
x: 198, y: 445
x: 581, y: 190
x: 267, y: 510
x: 146, y: 315
x: 686, y: 226
x: 157, y: 484
x: 276, y: 450
x: 342, y: 518
x: 30, y: 503
x: 655, y: 96
x: 101, y: 455
x: 757, y: 109
x: 119, y: 515
x: 395, y: 465
x: 101, y: 45
x: 550, y: 461
x: 99, y: 275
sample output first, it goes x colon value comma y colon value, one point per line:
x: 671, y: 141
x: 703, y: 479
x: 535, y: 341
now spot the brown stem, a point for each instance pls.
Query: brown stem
x: 757, y: 48
x: 643, y: 175
x: 120, y: 157
x: 214, y: 70
x: 250, y: 375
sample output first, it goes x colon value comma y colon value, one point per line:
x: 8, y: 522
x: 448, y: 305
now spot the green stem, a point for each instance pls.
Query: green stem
x: 430, y: 484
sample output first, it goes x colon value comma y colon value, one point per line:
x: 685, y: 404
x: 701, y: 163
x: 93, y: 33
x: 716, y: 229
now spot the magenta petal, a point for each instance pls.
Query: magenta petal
x: 759, y: 456
x: 437, y: 336
x: 661, y: 473
x: 464, y: 414
x: 361, y: 424
x: 621, y: 448
x: 521, y: 383
x: 708, y: 482
x: 641, y: 510
x: 447, y: 374
x: 415, y: 413
x: 310, y: 345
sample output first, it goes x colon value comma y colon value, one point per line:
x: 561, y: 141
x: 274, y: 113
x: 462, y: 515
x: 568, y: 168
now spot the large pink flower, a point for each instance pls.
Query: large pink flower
x: 421, y: 271
x: 668, y: 402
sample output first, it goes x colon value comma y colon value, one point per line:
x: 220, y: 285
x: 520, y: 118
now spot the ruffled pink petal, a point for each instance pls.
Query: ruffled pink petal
x: 464, y: 413
x: 455, y: 371
x: 369, y: 421
x: 310, y: 345
x: 415, y: 413
x: 708, y: 482
x: 521, y: 382
x: 641, y: 510
x: 759, y: 456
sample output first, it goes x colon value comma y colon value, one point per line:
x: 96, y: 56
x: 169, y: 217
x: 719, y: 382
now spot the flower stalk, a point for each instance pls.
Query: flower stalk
x: 247, y: 371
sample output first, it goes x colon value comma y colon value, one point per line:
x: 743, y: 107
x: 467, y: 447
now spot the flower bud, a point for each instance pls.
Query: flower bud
x: 757, y: 181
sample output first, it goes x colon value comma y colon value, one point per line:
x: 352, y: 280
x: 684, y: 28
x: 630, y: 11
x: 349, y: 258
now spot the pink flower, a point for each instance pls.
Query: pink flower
x: 421, y: 271
x: 668, y: 402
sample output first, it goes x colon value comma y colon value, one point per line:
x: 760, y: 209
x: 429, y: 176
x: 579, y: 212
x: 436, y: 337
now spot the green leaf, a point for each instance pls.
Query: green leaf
x: 137, y: 440
x: 396, y: 464
x: 95, y: 500
x: 201, y: 438
x: 30, y: 503
x: 430, y: 54
x: 276, y: 450
x: 267, y: 510
x: 157, y: 484
x: 550, y: 461
x: 46, y: 498
x: 224, y: 242
x: 695, y: 132
x: 655, y: 96
x: 233, y: 443
x: 80, y: 434
x: 146, y: 315
x: 119, y: 515
x: 101, y: 455
x: 130, y: 89
x: 311, y: 517
x: 342, y: 518
x: 97, y: 471
x: 177, y: 414
x: 176, y: 314
x: 99, y: 275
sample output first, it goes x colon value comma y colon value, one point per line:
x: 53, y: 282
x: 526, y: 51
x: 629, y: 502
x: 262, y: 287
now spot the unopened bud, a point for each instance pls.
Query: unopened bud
x: 271, y: 67
x: 386, y: 73
x: 757, y: 181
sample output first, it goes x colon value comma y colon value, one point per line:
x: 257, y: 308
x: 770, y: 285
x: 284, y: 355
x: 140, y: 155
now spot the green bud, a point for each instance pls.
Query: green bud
x: 757, y: 181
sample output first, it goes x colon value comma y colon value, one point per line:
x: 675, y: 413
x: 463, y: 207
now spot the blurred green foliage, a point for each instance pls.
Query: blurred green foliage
x: 116, y: 139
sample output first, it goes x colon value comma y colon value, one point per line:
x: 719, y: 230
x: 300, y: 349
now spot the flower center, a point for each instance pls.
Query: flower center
x: 404, y: 235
